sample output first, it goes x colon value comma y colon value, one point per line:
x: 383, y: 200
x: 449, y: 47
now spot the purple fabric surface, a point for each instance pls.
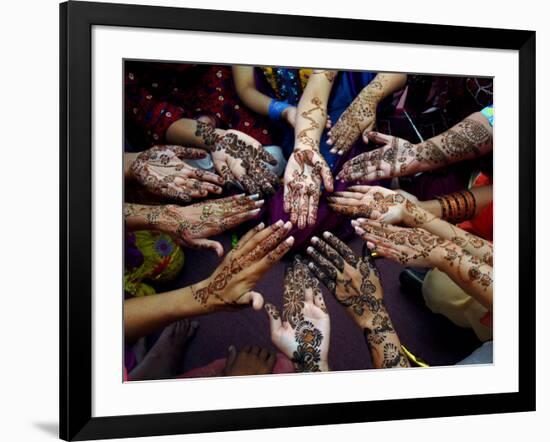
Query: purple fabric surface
x: 429, y: 336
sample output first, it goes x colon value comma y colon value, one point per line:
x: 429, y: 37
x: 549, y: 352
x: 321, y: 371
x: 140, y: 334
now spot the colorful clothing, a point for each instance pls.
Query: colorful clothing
x: 158, y: 94
x: 489, y: 113
x: 287, y: 85
x: 151, y: 257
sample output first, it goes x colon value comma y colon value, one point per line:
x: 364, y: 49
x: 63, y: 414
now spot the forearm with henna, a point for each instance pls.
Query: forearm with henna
x: 361, y: 113
x: 468, y: 271
x: 470, y: 138
x: 312, y: 110
x: 139, y: 216
x: 414, y: 216
x: 189, y: 132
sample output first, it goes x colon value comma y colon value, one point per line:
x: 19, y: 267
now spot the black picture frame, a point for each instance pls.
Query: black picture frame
x: 76, y: 21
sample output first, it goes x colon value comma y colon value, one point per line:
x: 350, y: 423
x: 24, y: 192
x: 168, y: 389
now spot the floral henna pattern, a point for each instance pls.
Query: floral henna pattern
x: 297, y: 280
x: 398, y: 157
x: 416, y: 244
x: 207, y: 133
x: 305, y: 180
x: 163, y: 172
x: 394, y: 160
x: 307, y: 356
x: 354, y: 281
x: 252, y: 159
x: 393, y: 356
x: 360, y: 114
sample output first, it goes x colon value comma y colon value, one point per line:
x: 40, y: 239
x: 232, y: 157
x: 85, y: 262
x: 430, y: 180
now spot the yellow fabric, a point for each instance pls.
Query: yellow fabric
x: 163, y: 259
x: 443, y: 296
x: 270, y: 76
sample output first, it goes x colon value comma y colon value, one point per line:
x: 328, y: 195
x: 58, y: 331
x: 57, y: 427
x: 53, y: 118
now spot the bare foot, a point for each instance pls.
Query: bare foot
x: 250, y: 360
x: 162, y: 361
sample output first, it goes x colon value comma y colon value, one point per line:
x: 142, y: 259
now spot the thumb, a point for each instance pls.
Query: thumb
x: 366, y: 136
x: 274, y: 318
x: 328, y: 181
x: 252, y: 298
x: 231, y: 356
x: 189, y: 153
x: 203, y: 243
x: 267, y: 157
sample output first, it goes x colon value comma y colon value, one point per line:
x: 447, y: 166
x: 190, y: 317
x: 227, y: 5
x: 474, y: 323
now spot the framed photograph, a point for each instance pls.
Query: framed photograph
x: 274, y: 220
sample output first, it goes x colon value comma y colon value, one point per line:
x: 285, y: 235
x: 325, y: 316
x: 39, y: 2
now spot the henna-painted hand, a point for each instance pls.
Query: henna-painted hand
x: 303, y: 333
x: 354, y: 281
x: 304, y: 172
x: 163, y: 172
x: 239, y: 157
x: 230, y: 284
x: 359, y: 117
x: 192, y: 225
x: 411, y: 246
x: 397, y: 157
x: 378, y: 203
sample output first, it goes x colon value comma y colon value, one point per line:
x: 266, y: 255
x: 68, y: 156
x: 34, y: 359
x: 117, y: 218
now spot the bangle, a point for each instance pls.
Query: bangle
x: 276, y: 109
x: 458, y: 206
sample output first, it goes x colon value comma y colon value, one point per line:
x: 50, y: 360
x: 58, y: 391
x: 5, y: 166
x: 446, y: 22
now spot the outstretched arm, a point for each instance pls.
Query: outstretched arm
x: 387, y: 206
x: 306, y: 167
x: 468, y: 139
x: 361, y: 114
x: 418, y: 247
x: 229, y: 287
x: 355, y: 282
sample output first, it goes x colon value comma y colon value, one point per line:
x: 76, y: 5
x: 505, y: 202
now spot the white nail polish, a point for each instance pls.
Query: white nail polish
x: 279, y: 223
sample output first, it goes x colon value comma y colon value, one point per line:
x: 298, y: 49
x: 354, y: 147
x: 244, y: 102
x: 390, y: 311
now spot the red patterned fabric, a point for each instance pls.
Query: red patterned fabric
x: 157, y: 94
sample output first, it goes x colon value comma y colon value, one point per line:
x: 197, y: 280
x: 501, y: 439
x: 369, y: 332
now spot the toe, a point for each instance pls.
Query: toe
x: 231, y: 356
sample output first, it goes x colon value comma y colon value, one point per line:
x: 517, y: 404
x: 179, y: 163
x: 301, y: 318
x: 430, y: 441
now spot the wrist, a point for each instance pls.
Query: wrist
x: 362, y: 320
x: 439, y: 256
x: 129, y: 159
x: 414, y: 215
x: 193, y: 303
x: 323, y: 366
x: 301, y: 146
x: 277, y: 109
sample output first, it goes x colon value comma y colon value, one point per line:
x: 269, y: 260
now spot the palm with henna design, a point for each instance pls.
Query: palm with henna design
x: 378, y: 203
x: 163, y: 172
x: 411, y: 246
x: 304, y: 173
x: 239, y: 157
x: 397, y: 157
x: 303, y: 332
x: 231, y: 283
